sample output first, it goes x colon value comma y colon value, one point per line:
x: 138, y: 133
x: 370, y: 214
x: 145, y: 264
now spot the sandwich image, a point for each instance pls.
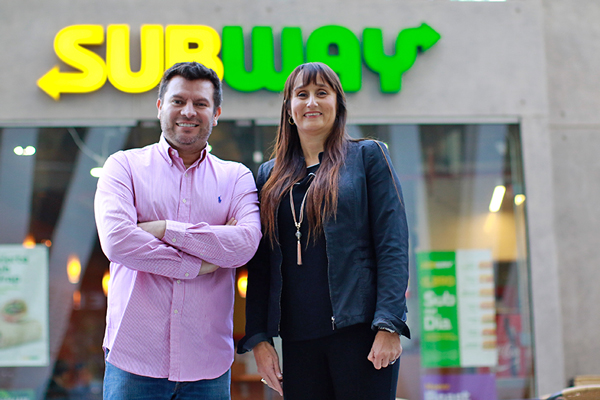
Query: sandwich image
x: 15, y: 327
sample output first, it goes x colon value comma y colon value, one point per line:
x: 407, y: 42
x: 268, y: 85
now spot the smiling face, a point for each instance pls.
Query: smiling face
x: 313, y: 107
x: 187, y: 114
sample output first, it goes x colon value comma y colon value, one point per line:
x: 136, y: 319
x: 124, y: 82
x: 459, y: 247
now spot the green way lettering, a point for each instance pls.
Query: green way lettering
x: 390, y: 68
x: 263, y: 74
x: 160, y: 48
x: 345, y: 60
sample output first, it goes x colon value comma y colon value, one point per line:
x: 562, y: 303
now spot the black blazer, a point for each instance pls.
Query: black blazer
x: 367, y: 252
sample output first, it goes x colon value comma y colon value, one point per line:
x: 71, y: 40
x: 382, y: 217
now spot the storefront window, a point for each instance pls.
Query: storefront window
x: 471, y: 326
x: 469, y: 290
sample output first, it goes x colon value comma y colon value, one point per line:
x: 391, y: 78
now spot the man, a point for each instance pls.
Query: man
x: 168, y: 214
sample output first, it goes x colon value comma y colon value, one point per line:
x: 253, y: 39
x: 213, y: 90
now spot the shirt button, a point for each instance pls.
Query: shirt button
x: 174, y: 240
x: 186, y: 274
x: 184, y: 200
x: 178, y: 281
x: 176, y: 312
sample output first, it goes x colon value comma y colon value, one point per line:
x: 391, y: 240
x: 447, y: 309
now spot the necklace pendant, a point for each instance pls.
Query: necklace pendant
x: 298, y: 223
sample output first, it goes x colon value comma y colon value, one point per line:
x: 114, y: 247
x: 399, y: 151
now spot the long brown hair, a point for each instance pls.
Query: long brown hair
x: 290, y: 167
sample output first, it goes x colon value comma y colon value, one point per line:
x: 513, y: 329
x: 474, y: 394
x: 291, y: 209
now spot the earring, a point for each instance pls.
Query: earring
x: 290, y: 120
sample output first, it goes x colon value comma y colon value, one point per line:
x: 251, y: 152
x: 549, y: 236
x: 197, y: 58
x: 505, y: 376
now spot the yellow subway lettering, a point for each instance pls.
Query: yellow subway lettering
x: 118, y: 60
x: 198, y: 43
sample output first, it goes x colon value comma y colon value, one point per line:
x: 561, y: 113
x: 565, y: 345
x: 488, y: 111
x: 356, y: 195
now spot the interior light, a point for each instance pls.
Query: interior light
x: 519, y: 199
x: 257, y: 157
x: 47, y: 242
x: 77, y: 300
x: 96, y: 172
x: 27, y: 151
x: 105, y: 280
x: 208, y: 147
x: 29, y: 241
x: 73, y: 268
x: 497, y: 198
x: 242, y: 283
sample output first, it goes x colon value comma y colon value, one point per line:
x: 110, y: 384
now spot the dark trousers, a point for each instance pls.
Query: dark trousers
x: 336, y: 367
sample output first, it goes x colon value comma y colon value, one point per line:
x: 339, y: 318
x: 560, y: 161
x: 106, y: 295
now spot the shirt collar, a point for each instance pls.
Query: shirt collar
x: 170, y: 154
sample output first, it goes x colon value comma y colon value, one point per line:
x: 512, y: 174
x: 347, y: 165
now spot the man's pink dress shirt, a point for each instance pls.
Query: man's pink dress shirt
x: 163, y: 320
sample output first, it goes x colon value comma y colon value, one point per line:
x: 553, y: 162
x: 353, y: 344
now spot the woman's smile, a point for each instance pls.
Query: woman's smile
x: 313, y: 107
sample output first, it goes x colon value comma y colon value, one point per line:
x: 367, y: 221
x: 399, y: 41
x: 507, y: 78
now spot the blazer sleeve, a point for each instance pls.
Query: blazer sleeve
x: 389, y: 232
x: 259, y: 286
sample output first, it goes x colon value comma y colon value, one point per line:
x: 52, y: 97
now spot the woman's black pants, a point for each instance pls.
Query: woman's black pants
x: 336, y: 367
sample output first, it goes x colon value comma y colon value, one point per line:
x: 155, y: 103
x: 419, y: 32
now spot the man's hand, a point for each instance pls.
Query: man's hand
x: 267, y: 362
x: 156, y: 228
x: 385, y: 350
x: 208, y: 268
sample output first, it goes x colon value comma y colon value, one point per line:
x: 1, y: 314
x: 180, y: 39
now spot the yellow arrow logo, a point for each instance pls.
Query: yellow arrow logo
x: 68, y: 47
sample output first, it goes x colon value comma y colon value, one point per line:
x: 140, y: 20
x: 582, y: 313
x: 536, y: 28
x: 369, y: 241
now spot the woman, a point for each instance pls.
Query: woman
x: 331, y: 272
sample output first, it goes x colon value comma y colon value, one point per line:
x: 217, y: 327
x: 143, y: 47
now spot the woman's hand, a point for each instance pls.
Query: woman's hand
x: 386, y: 349
x: 267, y: 362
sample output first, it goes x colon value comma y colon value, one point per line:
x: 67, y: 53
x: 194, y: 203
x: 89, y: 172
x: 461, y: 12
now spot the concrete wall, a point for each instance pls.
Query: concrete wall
x: 572, y: 35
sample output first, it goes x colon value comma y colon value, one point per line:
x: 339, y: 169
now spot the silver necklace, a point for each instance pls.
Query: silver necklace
x: 298, y: 223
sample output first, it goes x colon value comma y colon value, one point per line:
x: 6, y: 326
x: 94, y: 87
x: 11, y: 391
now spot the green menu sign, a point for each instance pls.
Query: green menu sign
x: 17, y: 394
x: 438, y: 306
x: 457, y: 305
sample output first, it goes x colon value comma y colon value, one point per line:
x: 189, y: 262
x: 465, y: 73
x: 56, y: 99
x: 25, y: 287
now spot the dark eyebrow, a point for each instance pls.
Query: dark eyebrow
x: 322, y: 85
x: 179, y: 97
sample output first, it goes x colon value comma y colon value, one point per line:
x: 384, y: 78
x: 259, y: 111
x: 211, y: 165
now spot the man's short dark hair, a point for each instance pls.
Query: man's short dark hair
x: 192, y: 71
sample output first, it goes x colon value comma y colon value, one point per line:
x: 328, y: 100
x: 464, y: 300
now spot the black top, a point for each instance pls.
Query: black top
x: 306, y: 310
x: 367, y: 251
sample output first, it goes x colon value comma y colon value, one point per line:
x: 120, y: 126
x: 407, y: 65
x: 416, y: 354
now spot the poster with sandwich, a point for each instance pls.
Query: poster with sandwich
x: 23, y: 306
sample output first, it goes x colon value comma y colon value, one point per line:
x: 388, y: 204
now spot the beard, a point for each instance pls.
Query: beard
x: 170, y: 130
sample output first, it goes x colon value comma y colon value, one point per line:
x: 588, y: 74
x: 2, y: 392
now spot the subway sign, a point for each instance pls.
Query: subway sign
x: 161, y: 47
